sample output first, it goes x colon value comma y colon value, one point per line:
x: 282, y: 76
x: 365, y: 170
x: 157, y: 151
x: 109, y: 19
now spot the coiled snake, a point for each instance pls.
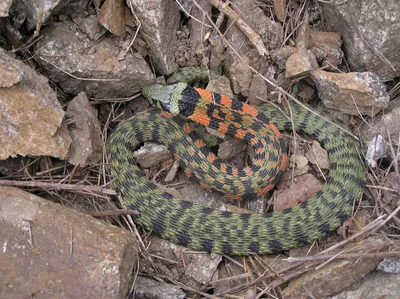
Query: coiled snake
x: 203, y: 228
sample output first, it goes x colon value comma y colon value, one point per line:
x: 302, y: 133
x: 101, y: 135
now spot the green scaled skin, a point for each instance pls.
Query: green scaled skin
x: 201, y: 228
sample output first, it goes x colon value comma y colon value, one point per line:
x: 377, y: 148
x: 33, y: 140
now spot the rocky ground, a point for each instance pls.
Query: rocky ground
x: 71, y: 71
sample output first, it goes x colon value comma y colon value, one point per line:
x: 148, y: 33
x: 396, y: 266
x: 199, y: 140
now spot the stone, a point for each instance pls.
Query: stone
x: 77, y: 64
x: 159, y: 21
x: 343, y: 91
x: 301, y: 63
x: 146, y: 288
x: 87, y: 146
x: 53, y: 251
x: 370, y: 34
x: 31, y: 118
x: 281, y: 55
x: 373, y: 285
x: 151, y: 154
x: 334, y: 276
x: 374, y: 135
x: 112, y: 16
x: 5, y: 7
x: 44, y: 9
x: 329, y: 43
x: 318, y: 155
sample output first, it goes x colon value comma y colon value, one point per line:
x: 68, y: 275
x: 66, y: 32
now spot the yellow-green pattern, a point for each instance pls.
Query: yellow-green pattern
x: 202, y: 228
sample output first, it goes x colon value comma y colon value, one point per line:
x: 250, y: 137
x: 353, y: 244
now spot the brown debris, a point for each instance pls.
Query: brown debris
x: 304, y: 187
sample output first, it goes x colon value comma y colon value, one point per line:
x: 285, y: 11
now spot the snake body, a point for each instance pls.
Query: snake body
x: 203, y: 228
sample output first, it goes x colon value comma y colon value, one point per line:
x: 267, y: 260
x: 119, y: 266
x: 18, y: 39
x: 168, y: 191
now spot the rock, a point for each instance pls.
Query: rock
x: 318, y: 155
x: 77, y: 64
x: 333, y: 277
x: 159, y: 21
x: 281, y: 56
x: 303, y: 188
x: 231, y: 148
x: 192, y: 268
x: 301, y: 63
x: 373, y: 285
x: 30, y: 114
x: 87, y: 146
x: 240, y: 76
x: 112, y: 16
x: 345, y: 90
x: 90, y: 26
x: 151, y: 154
x: 389, y: 265
x: 391, y: 198
x: 329, y: 43
x: 306, y: 91
x: 374, y: 135
x: 5, y: 7
x: 220, y: 85
x: 376, y: 149
x: 147, y: 288
x: 44, y: 9
x: 268, y: 30
x: 258, y: 90
x: 50, y: 250
x: 370, y: 33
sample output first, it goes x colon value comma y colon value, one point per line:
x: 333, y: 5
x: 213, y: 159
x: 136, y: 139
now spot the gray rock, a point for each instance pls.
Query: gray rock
x: 78, y: 64
x: 374, y: 136
x: 45, y: 9
x: 147, y: 288
x: 87, y: 146
x: 370, y: 31
x: 31, y: 118
x: 374, y: 285
x: 351, y: 93
x: 389, y: 265
x: 159, y: 21
x: 55, y: 252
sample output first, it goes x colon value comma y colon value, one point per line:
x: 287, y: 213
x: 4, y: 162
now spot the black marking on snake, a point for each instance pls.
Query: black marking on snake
x: 216, y: 98
x: 229, y: 169
x: 286, y: 225
x: 324, y: 228
x: 206, y: 211
x: 275, y: 245
x: 236, y: 105
x: 214, y: 123
x: 227, y: 248
x: 232, y: 129
x: 189, y: 100
x: 254, y: 247
x: 300, y: 237
x: 207, y: 244
x: 247, y: 137
x: 264, y: 119
x: 226, y: 214
x: 183, y: 238
x: 210, y: 110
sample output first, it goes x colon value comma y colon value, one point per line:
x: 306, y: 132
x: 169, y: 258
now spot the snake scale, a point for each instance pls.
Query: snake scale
x: 203, y: 228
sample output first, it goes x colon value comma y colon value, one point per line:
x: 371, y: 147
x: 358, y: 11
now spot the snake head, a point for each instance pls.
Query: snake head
x: 165, y: 97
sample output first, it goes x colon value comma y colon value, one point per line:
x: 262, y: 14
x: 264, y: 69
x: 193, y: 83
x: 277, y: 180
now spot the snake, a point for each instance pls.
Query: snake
x: 178, y: 108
